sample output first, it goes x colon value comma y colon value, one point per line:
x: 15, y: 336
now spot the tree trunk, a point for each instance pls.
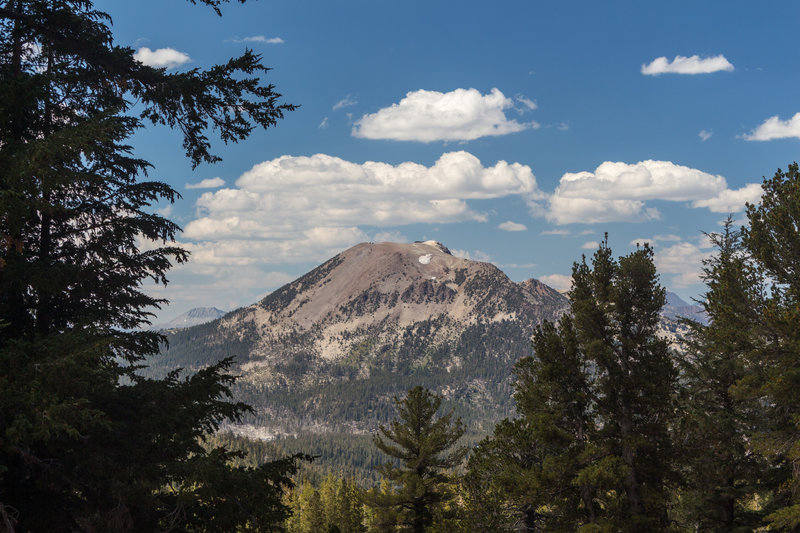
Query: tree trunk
x: 633, y: 487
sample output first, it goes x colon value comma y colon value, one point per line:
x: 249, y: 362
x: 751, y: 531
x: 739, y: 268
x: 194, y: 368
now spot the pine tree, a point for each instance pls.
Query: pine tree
x: 534, y: 460
x: 327, y: 492
x: 590, y: 450
x: 381, y: 518
x: 773, y: 241
x: 502, y: 481
x: 423, y: 444
x: 616, y: 305
x: 85, y: 442
x: 350, y: 509
x: 723, y: 475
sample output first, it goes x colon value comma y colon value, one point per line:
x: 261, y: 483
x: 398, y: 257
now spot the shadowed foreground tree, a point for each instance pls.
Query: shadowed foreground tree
x: 85, y: 442
x: 423, y: 445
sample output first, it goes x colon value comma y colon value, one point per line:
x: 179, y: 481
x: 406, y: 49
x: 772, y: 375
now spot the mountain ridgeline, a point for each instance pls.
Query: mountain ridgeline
x: 327, y: 352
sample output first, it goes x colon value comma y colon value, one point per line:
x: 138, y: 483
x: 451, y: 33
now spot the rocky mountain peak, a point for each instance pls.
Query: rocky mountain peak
x: 385, y: 286
x: 371, y: 322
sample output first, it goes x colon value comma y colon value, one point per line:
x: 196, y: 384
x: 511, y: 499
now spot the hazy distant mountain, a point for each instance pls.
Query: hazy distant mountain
x: 192, y: 317
x: 676, y: 308
x: 328, y: 351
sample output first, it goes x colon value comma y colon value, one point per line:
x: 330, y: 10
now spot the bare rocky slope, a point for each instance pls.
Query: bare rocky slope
x: 328, y: 351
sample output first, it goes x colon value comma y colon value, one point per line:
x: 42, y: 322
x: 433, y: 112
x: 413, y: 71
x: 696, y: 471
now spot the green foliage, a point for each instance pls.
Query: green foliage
x: 334, y: 506
x: 616, y: 309
x: 422, y: 444
x: 86, y: 442
x: 722, y: 477
x: 590, y: 449
x: 773, y: 241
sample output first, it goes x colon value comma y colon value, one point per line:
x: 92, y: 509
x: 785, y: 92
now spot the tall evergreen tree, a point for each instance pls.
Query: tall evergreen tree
x: 616, y: 305
x: 722, y: 474
x: 424, y: 446
x: 85, y: 442
x: 534, y: 460
x: 590, y: 450
x: 502, y: 479
x: 773, y: 241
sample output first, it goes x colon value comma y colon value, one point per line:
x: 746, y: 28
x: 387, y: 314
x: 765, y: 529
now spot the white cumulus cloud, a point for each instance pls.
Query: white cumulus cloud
x: 705, y: 135
x: 619, y: 192
x: 682, y: 263
x: 557, y: 281
x: 300, y: 207
x: 475, y: 255
x: 732, y: 201
x: 687, y: 65
x: 426, y: 116
x: 512, y: 226
x: 161, y: 58
x: 314, y: 243
x: 208, y: 183
x: 775, y: 128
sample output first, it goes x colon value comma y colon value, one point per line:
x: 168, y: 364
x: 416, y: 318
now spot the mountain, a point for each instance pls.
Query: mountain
x: 676, y: 308
x: 192, y: 317
x: 328, y: 351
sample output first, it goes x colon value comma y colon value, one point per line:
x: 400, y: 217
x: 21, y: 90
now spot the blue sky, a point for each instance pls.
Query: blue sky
x: 514, y: 132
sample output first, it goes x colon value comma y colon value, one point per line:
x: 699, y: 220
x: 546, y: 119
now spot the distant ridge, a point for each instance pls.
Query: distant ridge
x: 192, y: 317
x: 676, y: 308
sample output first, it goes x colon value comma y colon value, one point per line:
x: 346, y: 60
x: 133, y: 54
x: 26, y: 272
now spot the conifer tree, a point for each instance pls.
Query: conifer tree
x: 773, y: 241
x: 422, y: 444
x: 534, y: 460
x: 328, y: 492
x: 591, y: 449
x: 722, y: 474
x: 350, y: 510
x: 616, y: 305
x: 381, y: 518
x: 85, y: 442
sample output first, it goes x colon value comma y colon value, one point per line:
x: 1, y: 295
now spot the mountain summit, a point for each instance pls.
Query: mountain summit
x: 328, y: 351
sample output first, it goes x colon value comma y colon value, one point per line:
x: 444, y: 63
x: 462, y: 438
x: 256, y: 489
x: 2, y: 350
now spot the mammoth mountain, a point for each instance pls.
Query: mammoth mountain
x: 328, y: 351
